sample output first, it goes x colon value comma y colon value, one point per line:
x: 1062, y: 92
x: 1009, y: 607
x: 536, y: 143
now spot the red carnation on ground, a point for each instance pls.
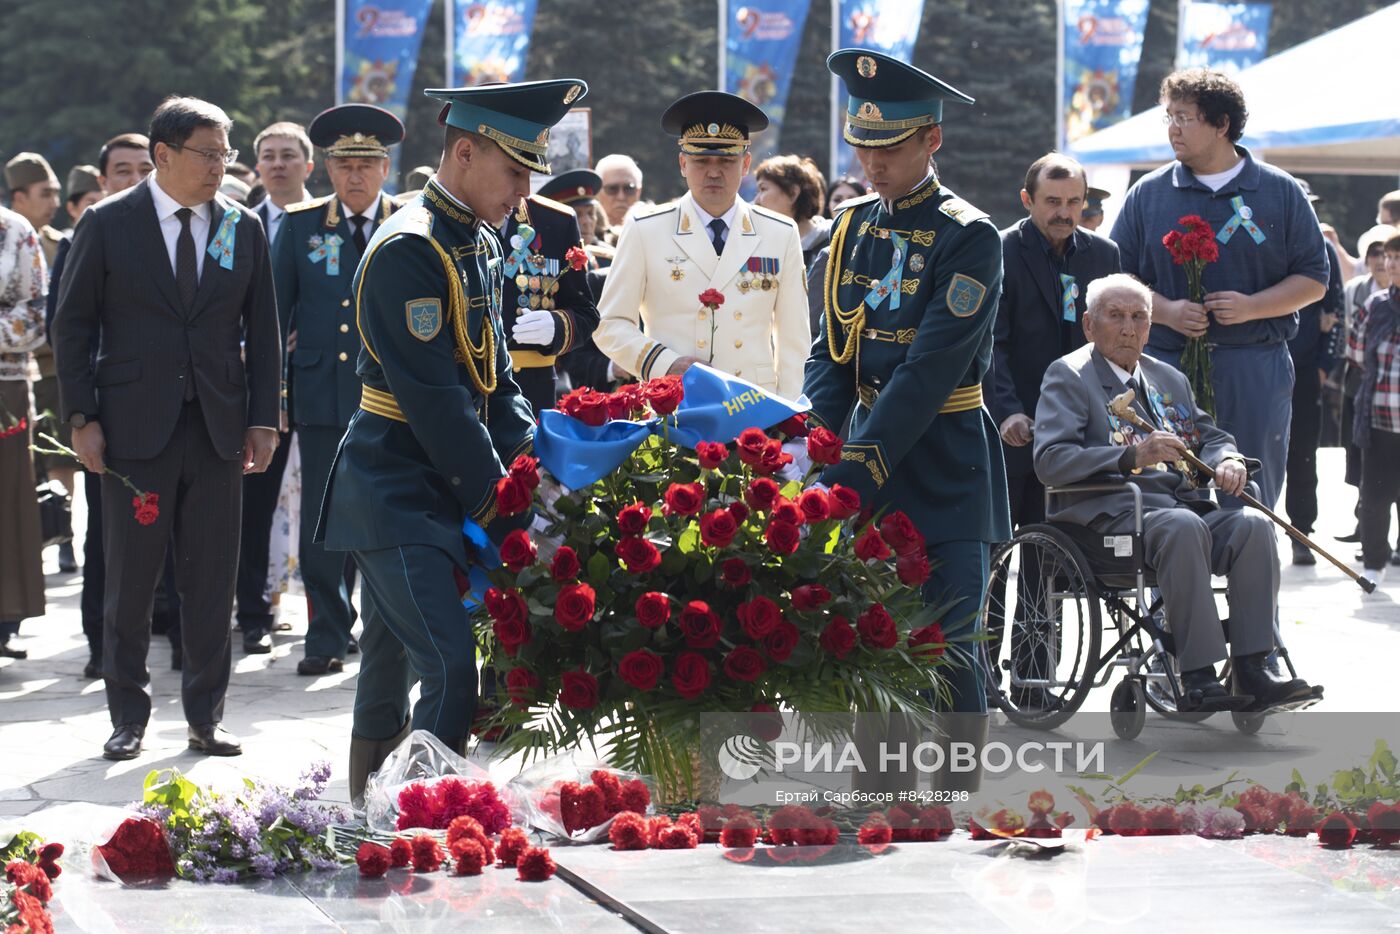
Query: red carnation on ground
x: 875, y: 833
x: 739, y: 833
x: 28, y: 876
x: 534, y: 865
x: 655, y: 827
x: 782, y: 538
x: 824, y: 446
x: 750, y: 444
x: 1128, y: 820
x: 471, y: 859
x: 576, y: 257
x: 653, y: 609
x: 664, y: 394
x: 871, y: 547
x: 628, y: 832
x: 513, y: 843
x: 691, y: 675
x: 641, y: 669
x: 843, y: 502
x: 48, y: 859
x: 638, y: 555
x: 718, y: 528
x: 575, y: 607
x: 633, y: 519
x: 700, y: 625
x: 877, y: 628
x: 1163, y: 821
x: 899, y: 533
x: 838, y: 638
x: 611, y: 788
x: 1337, y: 831
x: 677, y: 837
x: 579, y: 690
x: 711, y: 454
x: 427, y: 855
x: 935, y: 823
x: 518, y: 551
x: 634, y: 796
x: 147, y: 506
x: 565, y: 566
x: 400, y: 852
x: 581, y: 806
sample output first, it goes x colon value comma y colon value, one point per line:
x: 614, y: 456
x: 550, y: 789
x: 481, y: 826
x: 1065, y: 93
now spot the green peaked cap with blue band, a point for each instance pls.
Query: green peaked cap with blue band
x: 517, y: 117
x: 889, y: 100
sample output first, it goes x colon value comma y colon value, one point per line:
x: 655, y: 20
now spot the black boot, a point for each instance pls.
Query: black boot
x: 1202, y: 692
x: 1252, y: 676
x: 366, y: 756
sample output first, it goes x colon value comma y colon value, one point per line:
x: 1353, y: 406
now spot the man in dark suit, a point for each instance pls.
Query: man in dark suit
x: 313, y: 265
x: 177, y: 281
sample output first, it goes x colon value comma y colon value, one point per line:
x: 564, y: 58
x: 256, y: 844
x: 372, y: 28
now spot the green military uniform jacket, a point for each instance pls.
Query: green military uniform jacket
x: 440, y: 418
x: 313, y: 271
x: 920, y: 439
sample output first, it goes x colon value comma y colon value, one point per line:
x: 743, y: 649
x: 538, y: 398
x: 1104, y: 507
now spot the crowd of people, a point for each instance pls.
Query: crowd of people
x: 275, y: 379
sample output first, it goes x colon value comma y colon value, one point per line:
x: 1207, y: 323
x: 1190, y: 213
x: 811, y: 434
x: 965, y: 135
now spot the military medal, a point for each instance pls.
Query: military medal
x: 677, y: 273
x: 522, y: 281
x: 916, y: 263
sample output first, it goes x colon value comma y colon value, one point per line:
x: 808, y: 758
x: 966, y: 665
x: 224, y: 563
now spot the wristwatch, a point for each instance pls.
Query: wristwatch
x: 79, y: 420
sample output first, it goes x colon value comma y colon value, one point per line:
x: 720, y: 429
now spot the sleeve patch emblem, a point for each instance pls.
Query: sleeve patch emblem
x: 424, y: 317
x: 965, y: 295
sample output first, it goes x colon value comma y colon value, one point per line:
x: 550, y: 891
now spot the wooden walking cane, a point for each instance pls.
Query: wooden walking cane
x: 1122, y: 406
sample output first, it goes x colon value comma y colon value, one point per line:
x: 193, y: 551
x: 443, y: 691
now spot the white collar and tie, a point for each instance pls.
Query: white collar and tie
x: 718, y: 227
x: 167, y: 209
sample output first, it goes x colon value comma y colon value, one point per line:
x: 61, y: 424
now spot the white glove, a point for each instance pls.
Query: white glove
x: 801, y: 462
x: 534, y: 327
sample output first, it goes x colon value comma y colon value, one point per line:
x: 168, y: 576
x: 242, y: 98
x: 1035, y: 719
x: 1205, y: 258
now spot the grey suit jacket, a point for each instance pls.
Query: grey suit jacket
x: 1075, y: 439
x: 118, y: 285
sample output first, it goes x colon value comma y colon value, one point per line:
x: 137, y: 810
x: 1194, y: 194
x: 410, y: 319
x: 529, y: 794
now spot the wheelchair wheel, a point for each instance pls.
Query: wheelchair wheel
x: 1247, y: 723
x: 1044, y: 626
x: 1127, y: 709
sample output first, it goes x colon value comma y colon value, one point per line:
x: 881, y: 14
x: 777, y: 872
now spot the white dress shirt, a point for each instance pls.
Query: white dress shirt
x: 369, y: 219
x: 273, y: 216
x: 166, y: 207
x: 707, y: 218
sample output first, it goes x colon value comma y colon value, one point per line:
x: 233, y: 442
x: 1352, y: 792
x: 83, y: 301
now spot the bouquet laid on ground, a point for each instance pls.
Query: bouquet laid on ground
x: 685, y: 578
x: 31, y: 865
x: 575, y: 800
x: 1193, y: 250
x: 423, y: 785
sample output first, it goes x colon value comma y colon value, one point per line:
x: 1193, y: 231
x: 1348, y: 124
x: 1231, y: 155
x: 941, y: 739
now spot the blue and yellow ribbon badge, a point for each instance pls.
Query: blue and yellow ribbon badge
x: 519, y: 259
x: 1068, y: 295
x: 221, y: 248
x: 891, y: 284
x: 328, y: 250
x: 424, y: 316
x: 965, y: 295
x: 1243, y: 217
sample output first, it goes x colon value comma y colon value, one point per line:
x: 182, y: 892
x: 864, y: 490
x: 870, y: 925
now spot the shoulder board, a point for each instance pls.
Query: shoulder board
x: 962, y: 212
x: 308, y: 205
x: 550, y: 204
x: 771, y: 215
x: 601, y: 249
x: 658, y: 211
x: 51, y: 233
x: 857, y: 202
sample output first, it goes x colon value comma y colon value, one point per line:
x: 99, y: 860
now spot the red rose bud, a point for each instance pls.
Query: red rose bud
x: 838, y: 638
x: 147, y: 507
x: 517, y: 551
x: 928, y: 642
x: 718, y: 528
x: 565, y: 566
x: 1337, y: 831
x: 641, y: 669
x: 579, y: 690
x: 772, y: 459
x: 711, y: 454
x: 877, y: 628
x: 521, y: 684
x: 739, y: 511
x: 639, y: 555
x: 587, y: 405
x: 781, y: 641
x: 619, y: 405
x: 782, y: 537
x: 814, y: 504
x: 574, y: 608
x: 758, y: 617
x: 506, y: 605
x: 684, y: 499
x: 785, y: 510
x: 762, y: 493
x: 744, y: 664
x: 699, y: 625
x: 913, y: 569
x: 871, y: 547
x: 750, y: 445
x: 899, y: 533
x: 372, y: 859
x: 526, y: 469
x: 735, y: 573
x: 653, y: 610
x: 810, y: 597
x: 576, y: 257
x: 824, y: 446
x: 712, y: 298
x: 843, y: 502
x: 512, y: 496
x: 664, y: 394
x: 633, y: 519
x: 691, y: 675
x: 794, y: 426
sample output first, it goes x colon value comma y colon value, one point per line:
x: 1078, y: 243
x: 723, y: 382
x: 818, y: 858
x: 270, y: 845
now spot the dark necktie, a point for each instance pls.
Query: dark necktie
x: 717, y: 231
x: 358, y: 236
x: 1143, y: 403
x: 186, y: 269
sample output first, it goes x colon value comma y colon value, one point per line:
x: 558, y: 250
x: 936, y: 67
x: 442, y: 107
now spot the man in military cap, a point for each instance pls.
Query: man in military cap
x: 440, y: 416
x: 911, y: 293
x: 84, y: 190
x: 579, y: 190
x: 314, y: 258
x: 547, y: 307
x: 653, y: 322
x: 1091, y: 215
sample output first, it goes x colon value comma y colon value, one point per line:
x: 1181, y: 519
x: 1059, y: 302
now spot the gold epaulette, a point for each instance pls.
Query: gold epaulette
x: 551, y: 204
x: 307, y: 205
x: 602, y: 250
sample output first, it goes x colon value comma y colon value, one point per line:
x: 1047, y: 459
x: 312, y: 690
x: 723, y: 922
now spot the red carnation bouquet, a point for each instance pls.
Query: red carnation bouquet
x: 691, y: 581
x: 1194, y: 250
x: 575, y: 800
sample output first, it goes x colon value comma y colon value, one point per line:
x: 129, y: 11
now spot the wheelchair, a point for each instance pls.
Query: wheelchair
x: 1056, y: 592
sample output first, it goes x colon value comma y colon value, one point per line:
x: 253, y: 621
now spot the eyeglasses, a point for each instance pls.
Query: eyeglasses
x: 617, y: 188
x: 1180, y: 121
x: 210, y: 157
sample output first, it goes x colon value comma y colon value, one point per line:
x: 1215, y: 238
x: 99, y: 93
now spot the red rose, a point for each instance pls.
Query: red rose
x: 577, y: 258
x: 782, y: 640
x: 871, y: 547
x: 147, y: 507
x: 619, y: 405
x: 810, y: 597
x: 785, y: 510
x: 930, y: 636
x: 565, y: 566
x: 739, y: 511
x: 877, y: 628
x: 750, y: 444
x: 794, y: 426
x: 814, y: 504
x: 574, y: 608
x: 824, y: 446
x: 580, y: 690
x: 913, y: 569
x: 842, y: 501
x: 773, y: 458
x: 517, y: 551
x: 512, y: 634
x: 1336, y: 831
x: 735, y: 573
x: 744, y: 664
x: 521, y: 684
x: 712, y: 297
x: 526, y: 469
x: 664, y: 394
x: 587, y: 405
x: 641, y: 669
x: 632, y: 396
x: 633, y: 519
x: 691, y: 675
x: 782, y: 537
x: 758, y: 617
x: 653, y: 609
x: 512, y: 496
x: 684, y: 499
x: 711, y: 454
x: 762, y: 493
x: 638, y: 554
x: 718, y: 528
x: 506, y: 606
x: 899, y: 533
x: 838, y: 637
x: 700, y: 625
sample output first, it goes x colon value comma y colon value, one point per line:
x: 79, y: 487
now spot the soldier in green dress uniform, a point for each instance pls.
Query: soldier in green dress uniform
x: 910, y: 295
x: 440, y: 417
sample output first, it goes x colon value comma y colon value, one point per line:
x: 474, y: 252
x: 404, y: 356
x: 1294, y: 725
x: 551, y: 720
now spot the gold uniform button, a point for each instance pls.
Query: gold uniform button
x: 345, y: 329
x: 345, y: 303
x: 700, y: 342
x: 738, y: 315
x: 702, y: 314
x: 344, y: 356
x: 738, y: 343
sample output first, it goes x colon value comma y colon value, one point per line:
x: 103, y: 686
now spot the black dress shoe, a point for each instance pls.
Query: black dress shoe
x: 1353, y: 537
x: 213, y: 740
x: 319, y: 665
x: 256, y: 642
x: 67, y: 562
x: 93, y: 669
x: 125, y: 742
x: 1201, y: 692
x: 1302, y: 554
x: 9, y: 651
x: 1252, y: 676
x: 353, y: 648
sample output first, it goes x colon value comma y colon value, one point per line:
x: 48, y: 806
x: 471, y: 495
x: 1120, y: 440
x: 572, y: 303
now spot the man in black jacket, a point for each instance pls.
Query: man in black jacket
x: 177, y: 282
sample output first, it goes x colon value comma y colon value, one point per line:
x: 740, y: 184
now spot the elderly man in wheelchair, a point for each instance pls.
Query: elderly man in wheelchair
x: 1131, y: 488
